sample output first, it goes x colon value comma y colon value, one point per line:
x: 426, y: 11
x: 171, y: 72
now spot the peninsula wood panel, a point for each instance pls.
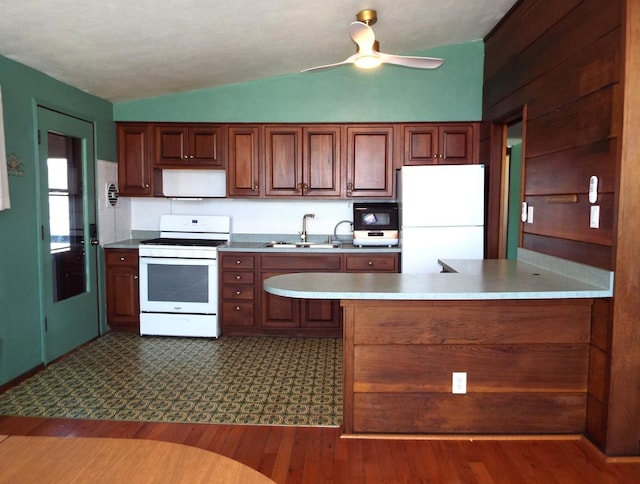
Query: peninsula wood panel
x: 490, y: 369
x: 474, y: 322
x: 515, y: 413
x: 527, y: 365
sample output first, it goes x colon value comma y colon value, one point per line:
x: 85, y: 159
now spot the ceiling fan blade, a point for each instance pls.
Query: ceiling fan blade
x: 362, y: 35
x: 348, y: 60
x: 411, y: 61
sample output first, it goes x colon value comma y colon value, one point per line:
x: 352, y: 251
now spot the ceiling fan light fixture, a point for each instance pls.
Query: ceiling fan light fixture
x: 368, y: 61
x: 368, y: 55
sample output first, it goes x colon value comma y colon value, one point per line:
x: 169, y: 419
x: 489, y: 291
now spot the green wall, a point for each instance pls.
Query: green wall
x: 345, y: 94
x: 22, y: 89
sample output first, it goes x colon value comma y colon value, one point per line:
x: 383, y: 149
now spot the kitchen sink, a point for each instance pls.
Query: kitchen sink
x: 302, y: 245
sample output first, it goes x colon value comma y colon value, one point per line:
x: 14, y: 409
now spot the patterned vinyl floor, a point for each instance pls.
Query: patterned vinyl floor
x: 242, y: 380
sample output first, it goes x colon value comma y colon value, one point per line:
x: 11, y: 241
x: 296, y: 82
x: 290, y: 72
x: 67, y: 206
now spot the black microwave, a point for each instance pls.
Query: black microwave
x: 375, y: 223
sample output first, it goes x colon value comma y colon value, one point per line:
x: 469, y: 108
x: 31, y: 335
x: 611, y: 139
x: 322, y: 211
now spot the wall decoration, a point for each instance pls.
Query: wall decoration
x: 14, y: 165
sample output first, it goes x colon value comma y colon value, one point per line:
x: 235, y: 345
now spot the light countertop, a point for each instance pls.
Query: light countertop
x: 473, y: 279
x: 257, y: 244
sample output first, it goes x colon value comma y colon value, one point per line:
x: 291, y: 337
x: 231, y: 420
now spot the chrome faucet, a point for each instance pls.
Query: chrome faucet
x: 303, y: 234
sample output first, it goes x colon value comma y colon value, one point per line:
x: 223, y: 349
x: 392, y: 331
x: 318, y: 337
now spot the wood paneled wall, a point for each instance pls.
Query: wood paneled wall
x: 573, y: 68
x: 562, y: 60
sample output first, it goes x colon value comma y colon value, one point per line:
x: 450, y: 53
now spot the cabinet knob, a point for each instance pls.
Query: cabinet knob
x: 370, y: 262
x: 122, y: 259
x: 238, y: 293
x: 349, y: 188
x: 146, y: 185
x: 237, y: 308
x: 238, y: 262
x: 238, y: 277
x: 135, y: 278
x: 255, y: 187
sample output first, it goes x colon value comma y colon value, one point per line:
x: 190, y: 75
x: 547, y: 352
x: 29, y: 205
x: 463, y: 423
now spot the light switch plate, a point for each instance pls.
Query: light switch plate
x: 594, y: 219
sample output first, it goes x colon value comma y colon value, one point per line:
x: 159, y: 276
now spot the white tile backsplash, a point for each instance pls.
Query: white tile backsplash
x: 248, y: 216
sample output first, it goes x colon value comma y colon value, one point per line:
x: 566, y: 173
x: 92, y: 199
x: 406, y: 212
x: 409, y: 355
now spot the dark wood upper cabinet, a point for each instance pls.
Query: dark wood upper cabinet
x: 324, y: 161
x: 369, y: 161
x: 134, y: 160
x: 190, y: 145
x: 302, y: 161
x: 243, y: 168
x: 440, y: 144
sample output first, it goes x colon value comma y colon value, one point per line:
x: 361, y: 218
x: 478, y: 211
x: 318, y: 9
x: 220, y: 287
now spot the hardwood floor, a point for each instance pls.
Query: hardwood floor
x: 306, y: 454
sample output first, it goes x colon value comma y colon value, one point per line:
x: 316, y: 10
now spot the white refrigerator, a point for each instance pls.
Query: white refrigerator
x: 441, y: 215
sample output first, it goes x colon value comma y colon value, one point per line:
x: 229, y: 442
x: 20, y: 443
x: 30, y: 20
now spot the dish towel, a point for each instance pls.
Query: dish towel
x: 4, y: 178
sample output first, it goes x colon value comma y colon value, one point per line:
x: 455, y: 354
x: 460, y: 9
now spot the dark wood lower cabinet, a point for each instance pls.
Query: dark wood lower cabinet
x: 122, y: 289
x: 527, y: 366
x: 246, y: 309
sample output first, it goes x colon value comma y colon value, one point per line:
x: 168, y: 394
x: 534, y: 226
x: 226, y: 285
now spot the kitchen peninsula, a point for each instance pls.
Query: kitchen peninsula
x: 520, y: 331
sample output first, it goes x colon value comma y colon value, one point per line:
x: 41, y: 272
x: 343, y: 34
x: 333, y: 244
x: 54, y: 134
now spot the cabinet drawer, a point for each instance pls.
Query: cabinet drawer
x: 238, y: 277
x: 302, y: 262
x: 238, y: 313
x: 372, y: 263
x: 231, y: 261
x: 238, y: 292
x: 121, y: 257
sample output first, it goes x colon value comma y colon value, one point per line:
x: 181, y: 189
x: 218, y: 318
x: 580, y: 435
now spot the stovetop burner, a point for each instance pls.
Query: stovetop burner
x: 184, y: 242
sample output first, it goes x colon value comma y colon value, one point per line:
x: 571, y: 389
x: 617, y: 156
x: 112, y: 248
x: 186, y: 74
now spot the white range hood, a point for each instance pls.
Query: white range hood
x: 194, y: 183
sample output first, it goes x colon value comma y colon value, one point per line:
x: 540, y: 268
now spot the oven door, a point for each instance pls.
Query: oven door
x: 181, y: 286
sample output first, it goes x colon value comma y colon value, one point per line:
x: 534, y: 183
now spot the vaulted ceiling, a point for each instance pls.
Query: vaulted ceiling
x: 121, y: 49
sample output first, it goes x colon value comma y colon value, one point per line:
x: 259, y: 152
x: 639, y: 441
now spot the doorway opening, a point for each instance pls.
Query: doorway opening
x: 511, y: 188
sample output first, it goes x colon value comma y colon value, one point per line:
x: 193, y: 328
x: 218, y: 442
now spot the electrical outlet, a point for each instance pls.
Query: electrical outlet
x: 459, y: 382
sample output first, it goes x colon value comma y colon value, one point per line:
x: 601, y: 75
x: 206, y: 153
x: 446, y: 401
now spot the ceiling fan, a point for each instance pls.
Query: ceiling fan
x: 369, y: 56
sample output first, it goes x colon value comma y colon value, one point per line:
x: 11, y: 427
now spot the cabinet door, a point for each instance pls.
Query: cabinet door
x: 171, y: 145
x: 189, y: 145
x: 243, y: 176
x: 279, y: 311
x: 457, y: 144
x: 122, y: 290
x: 283, y: 160
x: 134, y: 160
x: 420, y: 145
x: 320, y: 313
x: 207, y: 146
x: 321, y: 161
x: 370, y: 161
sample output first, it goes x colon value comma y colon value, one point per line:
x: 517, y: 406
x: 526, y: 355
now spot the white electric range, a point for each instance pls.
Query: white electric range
x: 179, y: 276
